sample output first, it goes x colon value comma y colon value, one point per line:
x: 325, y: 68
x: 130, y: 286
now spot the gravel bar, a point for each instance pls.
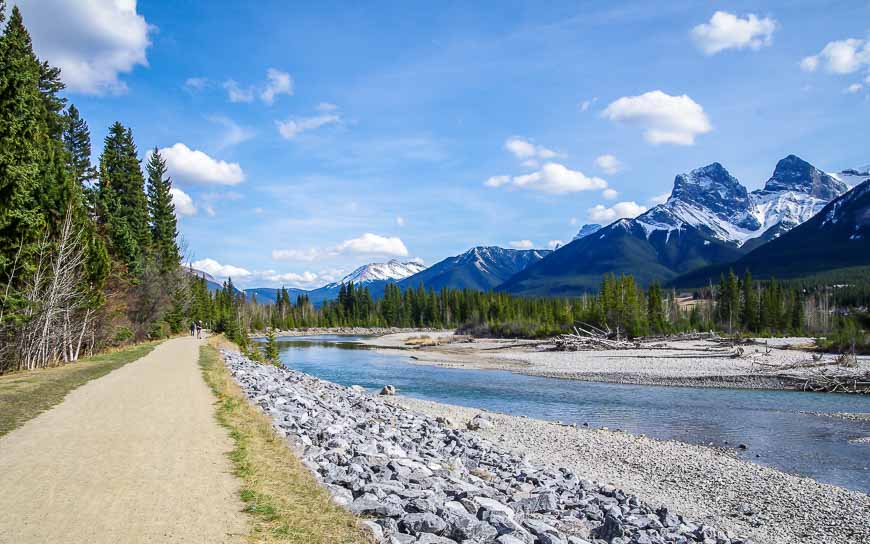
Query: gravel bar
x: 428, y: 473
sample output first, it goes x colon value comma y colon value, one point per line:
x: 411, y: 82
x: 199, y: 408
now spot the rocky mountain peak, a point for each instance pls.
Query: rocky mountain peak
x: 795, y: 174
x: 586, y: 230
x: 713, y: 188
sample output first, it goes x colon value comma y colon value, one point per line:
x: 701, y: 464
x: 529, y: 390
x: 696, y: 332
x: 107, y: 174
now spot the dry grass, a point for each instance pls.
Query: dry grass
x: 286, y: 502
x: 24, y: 395
x: 422, y: 341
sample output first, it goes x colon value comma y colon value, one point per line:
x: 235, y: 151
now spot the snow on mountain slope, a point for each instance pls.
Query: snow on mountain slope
x: 394, y: 270
x: 586, y: 230
x: 713, y: 201
x: 854, y: 176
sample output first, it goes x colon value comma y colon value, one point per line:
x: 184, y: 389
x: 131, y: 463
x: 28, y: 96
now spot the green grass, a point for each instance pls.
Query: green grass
x: 25, y: 395
x: 286, y: 503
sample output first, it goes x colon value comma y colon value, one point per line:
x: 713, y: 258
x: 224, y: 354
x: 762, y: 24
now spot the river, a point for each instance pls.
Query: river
x: 772, y: 424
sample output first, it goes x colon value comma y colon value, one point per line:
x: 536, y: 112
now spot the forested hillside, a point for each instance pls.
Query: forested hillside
x: 89, y: 255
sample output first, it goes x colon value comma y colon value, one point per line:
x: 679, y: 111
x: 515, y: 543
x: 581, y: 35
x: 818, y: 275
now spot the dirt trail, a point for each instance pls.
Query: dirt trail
x: 135, y: 456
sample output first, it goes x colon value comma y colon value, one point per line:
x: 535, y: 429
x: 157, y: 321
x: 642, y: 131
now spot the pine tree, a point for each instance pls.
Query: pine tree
x: 749, y: 310
x: 272, y: 352
x: 121, y: 203
x: 23, y: 140
x: 77, y: 142
x: 164, y: 226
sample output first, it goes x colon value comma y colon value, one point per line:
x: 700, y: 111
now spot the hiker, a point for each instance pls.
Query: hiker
x: 193, y: 328
x: 199, y: 329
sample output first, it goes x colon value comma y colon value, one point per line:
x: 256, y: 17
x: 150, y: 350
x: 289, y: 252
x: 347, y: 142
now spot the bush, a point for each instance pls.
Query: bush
x: 160, y: 330
x: 122, y: 335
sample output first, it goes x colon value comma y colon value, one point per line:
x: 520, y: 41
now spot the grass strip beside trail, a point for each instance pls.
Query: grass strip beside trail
x: 286, y: 502
x: 25, y: 395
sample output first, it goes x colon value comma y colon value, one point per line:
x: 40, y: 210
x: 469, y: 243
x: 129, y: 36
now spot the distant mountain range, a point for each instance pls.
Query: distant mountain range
x: 480, y: 268
x: 709, y: 219
x: 802, y: 221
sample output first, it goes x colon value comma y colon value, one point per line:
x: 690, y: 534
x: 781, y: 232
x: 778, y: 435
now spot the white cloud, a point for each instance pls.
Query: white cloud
x: 291, y: 128
x: 555, y: 244
x: 840, y: 57
x: 220, y: 270
x: 190, y: 165
x: 728, y: 31
x: 609, y: 164
x: 279, y: 83
x: 235, y: 93
x: 372, y: 244
x: 400, y: 221
x: 573, y: 221
x: 665, y: 119
x: 209, y: 210
x: 660, y: 199
x: 234, y: 134
x: 586, y: 104
x: 601, y: 214
x: 521, y: 244
x: 552, y: 178
x: 524, y: 149
x: 497, y: 181
x: 195, y: 84
x: 306, y: 255
x: 854, y: 88
x: 609, y: 194
x: 182, y: 202
x: 93, y: 42
x: 326, y: 106
x: 305, y: 278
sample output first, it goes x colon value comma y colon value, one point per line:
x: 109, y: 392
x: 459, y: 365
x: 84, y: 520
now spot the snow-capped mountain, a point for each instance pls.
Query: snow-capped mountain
x: 711, y: 199
x: 394, y: 270
x: 586, y: 230
x: 710, y: 218
x: 481, y: 268
x: 854, y: 176
x: 838, y: 237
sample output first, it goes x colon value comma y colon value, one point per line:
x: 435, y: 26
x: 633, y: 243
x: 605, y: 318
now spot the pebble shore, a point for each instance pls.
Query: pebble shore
x: 450, y: 475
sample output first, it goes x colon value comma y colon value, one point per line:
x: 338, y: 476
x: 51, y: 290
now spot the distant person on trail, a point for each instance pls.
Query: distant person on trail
x: 193, y: 328
x: 199, y: 329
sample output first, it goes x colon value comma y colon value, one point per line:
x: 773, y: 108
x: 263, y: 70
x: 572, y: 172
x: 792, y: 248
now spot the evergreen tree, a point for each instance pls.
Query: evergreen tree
x: 121, y: 203
x: 77, y: 142
x: 272, y: 353
x: 164, y: 226
x: 23, y: 141
x: 749, y: 309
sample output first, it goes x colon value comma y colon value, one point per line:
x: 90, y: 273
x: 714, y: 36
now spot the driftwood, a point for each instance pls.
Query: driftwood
x: 838, y: 383
x: 589, y: 337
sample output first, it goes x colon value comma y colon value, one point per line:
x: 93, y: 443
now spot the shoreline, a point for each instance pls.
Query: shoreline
x: 679, y: 364
x: 710, y: 484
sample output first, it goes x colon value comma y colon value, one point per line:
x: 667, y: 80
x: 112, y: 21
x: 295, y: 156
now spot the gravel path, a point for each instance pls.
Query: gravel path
x: 135, y: 456
x: 703, y: 483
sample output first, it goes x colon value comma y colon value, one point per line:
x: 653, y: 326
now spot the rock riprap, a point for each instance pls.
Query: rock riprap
x: 420, y: 480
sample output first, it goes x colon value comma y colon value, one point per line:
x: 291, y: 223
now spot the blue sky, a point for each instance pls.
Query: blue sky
x: 308, y: 140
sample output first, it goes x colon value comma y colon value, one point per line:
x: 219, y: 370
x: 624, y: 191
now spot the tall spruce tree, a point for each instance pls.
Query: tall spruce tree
x: 164, y: 225
x: 23, y: 137
x: 77, y: 142
x: 121, y: 203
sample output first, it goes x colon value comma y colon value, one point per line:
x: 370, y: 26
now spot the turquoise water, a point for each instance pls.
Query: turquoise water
x: 770, y: 423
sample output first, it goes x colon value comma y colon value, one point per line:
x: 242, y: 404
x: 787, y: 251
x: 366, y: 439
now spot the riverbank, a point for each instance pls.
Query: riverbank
x: 704, y: 483
x: 286, y: 503
x: 349, y: 331
x: 781, y: 364
x: 404, y: 461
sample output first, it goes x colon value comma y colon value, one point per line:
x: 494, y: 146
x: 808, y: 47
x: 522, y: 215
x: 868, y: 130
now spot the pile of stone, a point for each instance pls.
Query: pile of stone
x: 418, y: 479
